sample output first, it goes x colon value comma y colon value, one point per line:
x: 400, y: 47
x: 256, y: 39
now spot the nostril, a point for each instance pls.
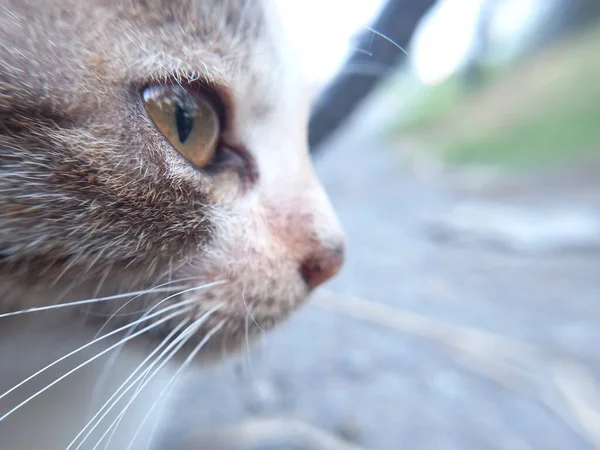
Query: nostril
x: 321, y: 266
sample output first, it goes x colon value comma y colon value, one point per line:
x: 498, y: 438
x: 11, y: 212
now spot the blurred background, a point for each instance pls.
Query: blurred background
x: 459, y: 141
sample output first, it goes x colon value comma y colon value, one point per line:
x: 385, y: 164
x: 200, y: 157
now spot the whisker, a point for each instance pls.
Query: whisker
x: 184, y: 337
x: 155, y: 427
x: 159, y: 286
x: 391, y: 41
x: 179, y: 342
x: 162, y: 344
x: 156, y: 289
x: 100, y: 381
x: 88, y: 361
x: 85, y: 302
x: 176, y: 375
x: 120, y: 417
x: 118, y: 330
x: 144, y: 379
x: 112, y: 428
x: 114, y: 357
x: 246, y: 332
x: 112, y: 315
x: 248, y: 348
x: 362, y: 50
x: 250, y: 314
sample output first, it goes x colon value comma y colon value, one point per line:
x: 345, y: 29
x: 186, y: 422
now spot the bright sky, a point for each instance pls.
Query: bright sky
x: 443, y: 41
x: 323, y: 30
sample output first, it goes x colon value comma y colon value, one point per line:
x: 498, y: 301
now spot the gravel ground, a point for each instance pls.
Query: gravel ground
x: 468, y: 346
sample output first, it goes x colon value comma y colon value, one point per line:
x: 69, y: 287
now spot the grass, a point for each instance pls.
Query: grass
x: 535, y: 143
x: 541, y: 112
x: 431, y: 105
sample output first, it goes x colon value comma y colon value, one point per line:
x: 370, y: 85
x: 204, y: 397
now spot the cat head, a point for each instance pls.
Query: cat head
x: 149, y: 141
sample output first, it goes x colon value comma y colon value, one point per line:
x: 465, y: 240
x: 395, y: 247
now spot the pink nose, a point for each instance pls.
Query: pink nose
x: 322, y: 265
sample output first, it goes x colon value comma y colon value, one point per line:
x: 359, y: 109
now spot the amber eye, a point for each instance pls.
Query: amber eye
x: 188, y: 120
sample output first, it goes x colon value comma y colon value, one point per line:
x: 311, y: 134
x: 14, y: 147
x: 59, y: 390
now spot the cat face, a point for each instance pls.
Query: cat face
x: 148, y: 141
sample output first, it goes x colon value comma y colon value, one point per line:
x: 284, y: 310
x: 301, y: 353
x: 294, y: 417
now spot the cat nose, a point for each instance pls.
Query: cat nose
x: 322, y: 265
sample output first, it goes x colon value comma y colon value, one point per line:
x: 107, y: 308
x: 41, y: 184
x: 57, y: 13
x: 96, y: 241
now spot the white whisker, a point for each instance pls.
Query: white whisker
x: 250, y: 314
x: 179, y: 342
x: 114, y: 425
x: 155, y: 427
x: 162, y: 344
x: 391, y: 41
x: 118, y: 330
x: 159, y: 286
x: 114, y: 357
x: 88, y: 361
x: 175, y: 376
x: 184, y: 337
x: 248, y: 347
x: 246, y: 332
x: 84, y: 302
x: 362, y: 50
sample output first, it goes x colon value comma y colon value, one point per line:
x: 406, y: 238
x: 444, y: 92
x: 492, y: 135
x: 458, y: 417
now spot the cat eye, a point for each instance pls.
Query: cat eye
x: 187, y: 119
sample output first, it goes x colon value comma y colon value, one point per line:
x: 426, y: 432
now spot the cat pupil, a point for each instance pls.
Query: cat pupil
x: 184, y: 123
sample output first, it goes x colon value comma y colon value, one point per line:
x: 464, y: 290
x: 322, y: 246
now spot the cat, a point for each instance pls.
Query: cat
x: 158, y: 206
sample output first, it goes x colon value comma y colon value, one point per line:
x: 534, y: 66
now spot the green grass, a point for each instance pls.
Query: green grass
x: 432, y: 105
x: 538, y: 143
x: 539, y: 113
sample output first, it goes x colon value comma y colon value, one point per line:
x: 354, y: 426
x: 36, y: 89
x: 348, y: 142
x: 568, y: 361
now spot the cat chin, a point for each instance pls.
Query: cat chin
x: 223, y: 334
x: 226, y: 316
x: 234, y: 339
